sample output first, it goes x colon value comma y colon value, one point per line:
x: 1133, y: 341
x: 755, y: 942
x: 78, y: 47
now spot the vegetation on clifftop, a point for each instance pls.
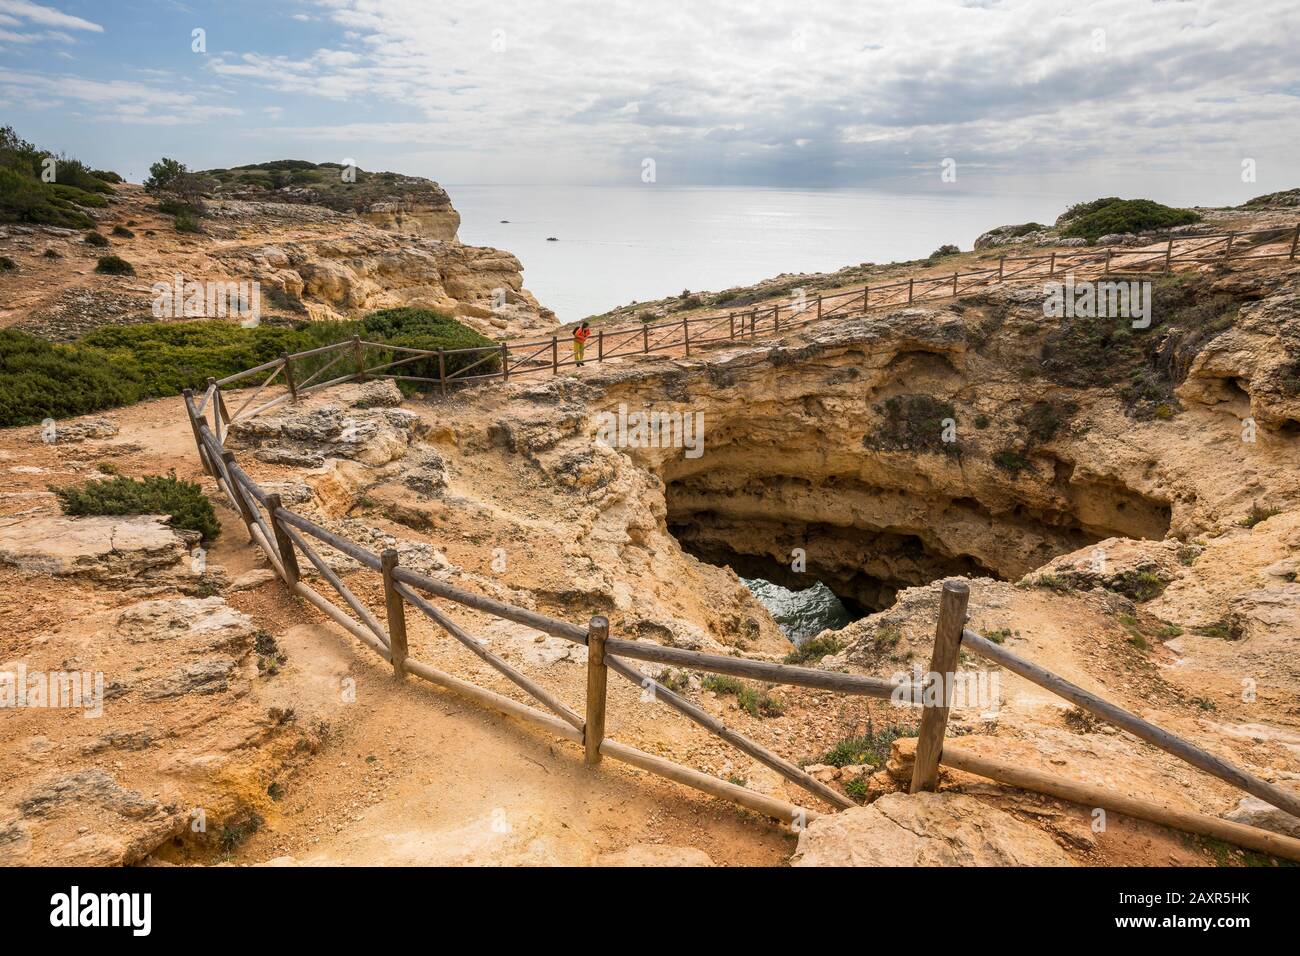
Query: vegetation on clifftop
x: 182, y: 501
x: 25, y: 197
x: 1101, y: 217
x: 118, y: 365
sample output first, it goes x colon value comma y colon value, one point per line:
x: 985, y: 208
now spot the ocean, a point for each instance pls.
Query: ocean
x: 617, y: 244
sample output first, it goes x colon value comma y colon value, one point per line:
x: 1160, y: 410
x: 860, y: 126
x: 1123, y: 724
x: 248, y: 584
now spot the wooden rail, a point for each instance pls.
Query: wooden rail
x: 457, y: 367
x: 282, y: 534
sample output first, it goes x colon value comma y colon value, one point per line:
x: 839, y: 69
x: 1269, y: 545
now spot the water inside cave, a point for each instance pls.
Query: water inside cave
x: 800, y: 614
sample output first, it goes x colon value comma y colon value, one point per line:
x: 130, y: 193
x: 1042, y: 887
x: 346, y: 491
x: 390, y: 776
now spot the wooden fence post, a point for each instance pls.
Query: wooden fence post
x: 731, y: 323
x: 188, y: 394
x: 225, y: 416
x: 866, y: 297
x: 645, y: 337
x: 442, y: 371
x: 819, y: 295
x: 593, y: 731
x: 954, y: 283
x: 1002, y: 264
x: 1169, y: 256
x: 910, y: 285
x: 505, y: 362
x: 238, y: 490
x: 1227, y: 248
x: 555, y: 355
x: 600, y: 346
x: 217, y: 407
x: 776, y: 318
x: 282, y: 541
x: 1051, y: 266
x: 396, y: 609
x: 686, y: 334
x: 943, y: 665
x: 288, y: 375
x: 358, y: 355
x: 1109, y: 253
x: 1295, y: 242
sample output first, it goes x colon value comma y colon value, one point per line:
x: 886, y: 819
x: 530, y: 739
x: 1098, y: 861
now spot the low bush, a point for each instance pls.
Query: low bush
x: 117, y: 365
x: 114, y: 266
x: 813, y: 649
x: 124, y: 232
x: 182, y: 501
x: 1258, y: 514
x: 96, y: 239
x: 914, y: 423
x: 7, y: 264
x: 871, y: 749
x: 186, y: 221
x: 1103, y: 217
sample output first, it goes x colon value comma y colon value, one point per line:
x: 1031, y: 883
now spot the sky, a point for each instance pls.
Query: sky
x: 1180, y: 100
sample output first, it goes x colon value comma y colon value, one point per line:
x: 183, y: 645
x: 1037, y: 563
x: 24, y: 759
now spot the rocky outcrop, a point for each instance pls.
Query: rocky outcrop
x: 928, y: 829
x: 119, y: 550
x: 360, y: 269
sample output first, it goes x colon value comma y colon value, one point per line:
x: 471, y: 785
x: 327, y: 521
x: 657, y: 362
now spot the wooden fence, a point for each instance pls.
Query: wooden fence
x: 282, y: 535
x: 508, y: 360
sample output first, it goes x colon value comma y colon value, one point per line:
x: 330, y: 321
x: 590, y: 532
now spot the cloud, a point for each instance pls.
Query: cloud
x: 123, y: 101
x: 45, y: 16
x: 822, y: 91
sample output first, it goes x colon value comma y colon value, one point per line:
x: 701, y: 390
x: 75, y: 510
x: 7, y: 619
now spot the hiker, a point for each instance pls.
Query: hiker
x: 580, y: 336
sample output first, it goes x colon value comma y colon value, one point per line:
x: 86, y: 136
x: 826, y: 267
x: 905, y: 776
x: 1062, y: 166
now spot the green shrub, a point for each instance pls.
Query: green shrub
x: 871, y: 749
x: 117, y: 365
x: 722, y: 684
x: 114, y: 266
x: 1258, y: 514
x: 124, y: 232
x: 96, y: 239
x: 1053, y: 583
x: 7, y: 264
x: 423, y: 329
x: 51, y: 254
x: 913, y: 423
x: 857, y: 788
x: 183, y: 501
x: 28, y: 200
x: 1139, y: 585
x: 186, y: 221
x: 1102, y: 217
x: 759, y: 703
x: 1042, y: 420
x: 40, y: 379
x: 1011, y: 460
x: 813, y: 649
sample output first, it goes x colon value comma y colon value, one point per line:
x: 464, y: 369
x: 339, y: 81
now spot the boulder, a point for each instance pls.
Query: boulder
x: 117, y: 549
x: 1254, y: 812
x: 928, y: 829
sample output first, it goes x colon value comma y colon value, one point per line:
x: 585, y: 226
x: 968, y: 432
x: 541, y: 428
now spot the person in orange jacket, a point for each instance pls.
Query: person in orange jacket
x: 580, y: 336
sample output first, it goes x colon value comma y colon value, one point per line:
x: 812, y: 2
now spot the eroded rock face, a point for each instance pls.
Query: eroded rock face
x: 928, y: 829
x: 129, y: 549
x: 832, y: 443
x: 356, y: 268
x: 307, y: 436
